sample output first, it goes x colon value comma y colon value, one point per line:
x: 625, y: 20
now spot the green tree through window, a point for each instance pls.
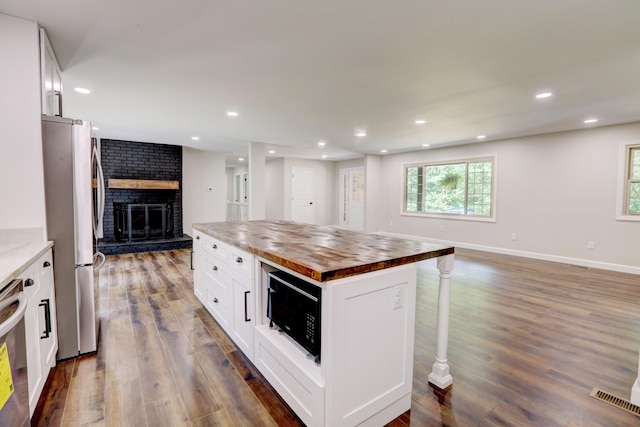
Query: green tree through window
x: 460, y: 188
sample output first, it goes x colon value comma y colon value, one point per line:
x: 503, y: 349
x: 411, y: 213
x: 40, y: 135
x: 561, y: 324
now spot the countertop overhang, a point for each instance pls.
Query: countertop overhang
x: 321, y: 253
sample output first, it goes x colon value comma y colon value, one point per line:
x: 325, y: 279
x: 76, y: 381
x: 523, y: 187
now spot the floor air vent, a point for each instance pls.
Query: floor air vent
x: 615, y: 401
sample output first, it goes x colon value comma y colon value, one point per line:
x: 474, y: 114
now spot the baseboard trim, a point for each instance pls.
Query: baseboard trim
x: 534, y: 255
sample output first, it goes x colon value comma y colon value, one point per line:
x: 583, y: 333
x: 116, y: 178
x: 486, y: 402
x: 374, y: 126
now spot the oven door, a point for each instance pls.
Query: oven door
x: 14, y: 386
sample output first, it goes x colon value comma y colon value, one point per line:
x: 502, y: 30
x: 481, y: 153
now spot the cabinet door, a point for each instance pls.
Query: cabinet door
x: 51, y: 78
x: 32, y: 334
x: 199, y: 277
x: 243, y: 314
x: 47, y: 315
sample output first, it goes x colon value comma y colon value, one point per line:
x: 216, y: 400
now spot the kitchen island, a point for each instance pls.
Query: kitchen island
x: 364, y: 372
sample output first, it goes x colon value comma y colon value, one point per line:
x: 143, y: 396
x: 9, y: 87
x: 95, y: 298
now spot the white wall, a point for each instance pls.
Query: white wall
x: 202, y: 170
x: 274, y: 189
x: 21, y: 170
x: 376, y: 199
x: 555, y: 191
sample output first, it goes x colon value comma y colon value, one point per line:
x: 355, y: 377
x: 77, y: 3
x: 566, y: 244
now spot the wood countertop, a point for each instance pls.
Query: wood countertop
x: 321, y: 252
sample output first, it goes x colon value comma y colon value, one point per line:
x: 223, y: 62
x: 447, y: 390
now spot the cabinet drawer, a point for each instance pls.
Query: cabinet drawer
x: 210, y: 245
x: 241, y: 262
x: 218, y: 271
x: 220, y: 304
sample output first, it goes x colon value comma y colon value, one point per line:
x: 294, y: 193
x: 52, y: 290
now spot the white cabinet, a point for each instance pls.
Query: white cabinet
x: 223, y: 282
x: 51, y: 77
x: 40, y: 324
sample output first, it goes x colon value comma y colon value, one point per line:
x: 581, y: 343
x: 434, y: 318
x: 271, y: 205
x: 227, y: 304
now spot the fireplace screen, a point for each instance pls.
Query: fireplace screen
x: 142, y: 221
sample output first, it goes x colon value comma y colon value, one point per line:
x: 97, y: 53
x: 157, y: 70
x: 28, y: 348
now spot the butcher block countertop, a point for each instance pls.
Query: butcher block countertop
x: 322, y: 253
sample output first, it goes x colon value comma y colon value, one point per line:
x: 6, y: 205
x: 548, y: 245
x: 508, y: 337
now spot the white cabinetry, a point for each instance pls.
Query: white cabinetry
x: 51, y: 90
x: 223, y: 282
x: 40, y: 324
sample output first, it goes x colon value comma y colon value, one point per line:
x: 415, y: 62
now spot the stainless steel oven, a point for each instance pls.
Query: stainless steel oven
x: 14, y: 386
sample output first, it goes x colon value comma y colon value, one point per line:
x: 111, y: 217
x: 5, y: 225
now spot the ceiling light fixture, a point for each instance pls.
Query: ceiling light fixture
x: 321, y: 144
x: 95, y: 128
x: 425, y: 145
x: 544, y: 95
x: 481, y: 136
x: 420, y: 122
x: 195, y: 138
x: 590, y: 121
x: 272, y: 152
x: 361, y: 133
x: 241, y: 159
x: 82, y: 90
x: 232, y: 113
x: 324, y: 156
x: 383, y: 151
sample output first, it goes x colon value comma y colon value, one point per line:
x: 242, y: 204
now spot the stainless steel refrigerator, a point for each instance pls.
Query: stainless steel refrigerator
x: 67, y: 154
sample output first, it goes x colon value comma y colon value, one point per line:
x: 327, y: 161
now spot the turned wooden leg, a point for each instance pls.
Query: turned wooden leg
x: 439, y: 375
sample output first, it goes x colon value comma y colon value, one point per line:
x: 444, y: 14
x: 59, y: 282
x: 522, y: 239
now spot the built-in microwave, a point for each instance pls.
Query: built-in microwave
x: 293, y: 305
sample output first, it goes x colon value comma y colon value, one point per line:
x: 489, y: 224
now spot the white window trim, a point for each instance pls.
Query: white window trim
x: 622, y: 178
x: 445, y: 161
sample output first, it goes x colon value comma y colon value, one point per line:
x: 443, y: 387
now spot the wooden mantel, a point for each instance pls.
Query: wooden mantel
x: 143, y: 184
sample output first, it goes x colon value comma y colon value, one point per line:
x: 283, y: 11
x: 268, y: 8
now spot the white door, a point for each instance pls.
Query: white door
x: 302, y: 209
x: 352, y: 198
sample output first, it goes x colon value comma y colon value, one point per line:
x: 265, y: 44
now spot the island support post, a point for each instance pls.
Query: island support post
x: 440, y: 376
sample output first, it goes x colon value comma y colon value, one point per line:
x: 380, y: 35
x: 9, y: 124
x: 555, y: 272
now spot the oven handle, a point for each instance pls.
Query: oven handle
x: 13, y: 320
x: 246, y: 319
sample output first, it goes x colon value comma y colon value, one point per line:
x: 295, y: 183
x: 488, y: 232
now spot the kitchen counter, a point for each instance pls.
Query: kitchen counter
x: 321, y: 253
x: 18, y: 249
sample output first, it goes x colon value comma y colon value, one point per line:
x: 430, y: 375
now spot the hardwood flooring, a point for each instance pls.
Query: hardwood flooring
x: 528, y: 341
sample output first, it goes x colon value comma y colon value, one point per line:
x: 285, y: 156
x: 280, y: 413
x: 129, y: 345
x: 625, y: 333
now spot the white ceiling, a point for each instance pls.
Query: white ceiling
x: 302, y: 71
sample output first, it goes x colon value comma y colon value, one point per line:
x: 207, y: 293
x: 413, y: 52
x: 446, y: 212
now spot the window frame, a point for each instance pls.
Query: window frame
x: 452, y: 161
x: 624, y: 181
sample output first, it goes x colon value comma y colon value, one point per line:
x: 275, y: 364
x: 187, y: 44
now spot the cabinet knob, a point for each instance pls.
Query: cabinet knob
x: 215, y: 268
x: 29, y: 282
x: 214, y: 246
x: 215, y: 300
x: 46, y: 264
x: 239, y: 260
x: 197, y: 237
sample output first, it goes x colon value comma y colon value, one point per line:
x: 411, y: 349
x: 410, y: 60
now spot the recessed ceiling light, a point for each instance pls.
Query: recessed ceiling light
x: 383, y: 151
x: 590, y: 121
x: 420, y: 122
x: 232, y: 113
x: 425, y: 145
x: 272, y: 152
x: 321, y: 144
x: 82, y: 90
x: 543, y: 95
x: 361, y: 133
x: 324, y: 156
x: 481, y: 136
x: 195, y: 138
x: 95, y: 128
x: 241, y: 159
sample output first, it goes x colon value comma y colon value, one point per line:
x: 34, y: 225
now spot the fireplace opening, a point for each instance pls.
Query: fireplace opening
x: 142, y: 221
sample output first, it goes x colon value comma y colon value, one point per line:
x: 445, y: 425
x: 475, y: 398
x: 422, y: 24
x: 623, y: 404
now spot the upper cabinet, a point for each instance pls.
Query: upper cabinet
x: 51, y: 78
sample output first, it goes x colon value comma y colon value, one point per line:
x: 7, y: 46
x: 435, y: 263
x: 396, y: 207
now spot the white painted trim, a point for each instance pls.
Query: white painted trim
x: 622, y: 178
x: 534, y: 255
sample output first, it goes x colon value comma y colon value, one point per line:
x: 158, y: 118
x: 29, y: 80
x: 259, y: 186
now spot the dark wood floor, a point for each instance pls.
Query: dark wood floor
x: 528, y: 342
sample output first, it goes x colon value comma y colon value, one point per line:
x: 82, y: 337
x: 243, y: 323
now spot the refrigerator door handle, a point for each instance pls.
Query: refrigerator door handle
x: 100, y: 194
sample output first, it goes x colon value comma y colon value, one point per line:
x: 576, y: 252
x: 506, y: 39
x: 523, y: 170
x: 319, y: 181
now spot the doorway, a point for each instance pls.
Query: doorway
x: 302, y: 195
x: 352, y: 198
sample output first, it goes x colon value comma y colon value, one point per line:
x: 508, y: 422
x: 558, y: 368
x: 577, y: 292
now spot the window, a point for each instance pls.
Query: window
x: 458, y: 188
x: 632, y: 181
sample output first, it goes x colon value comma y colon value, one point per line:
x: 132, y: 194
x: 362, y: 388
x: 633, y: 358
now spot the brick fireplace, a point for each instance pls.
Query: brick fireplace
x: 142, y: 219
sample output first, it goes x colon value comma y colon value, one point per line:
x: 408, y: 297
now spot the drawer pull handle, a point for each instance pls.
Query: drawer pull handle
x: 214, y: 246
x: 215, y: 268
x: 45, y: 303
x: 29, y: 282
x: 246, y: 317
x: 191, y: 260
x: 239, y: 260
x: 46, y: 264
x: 215, y: 300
